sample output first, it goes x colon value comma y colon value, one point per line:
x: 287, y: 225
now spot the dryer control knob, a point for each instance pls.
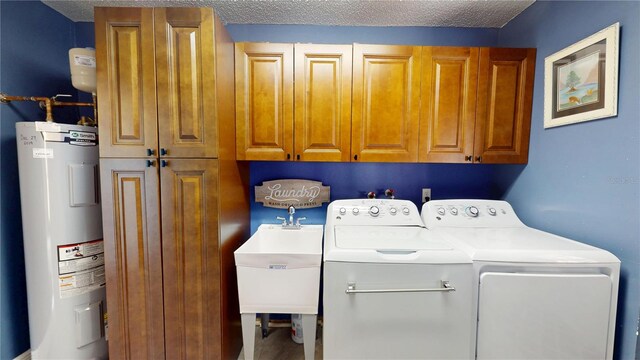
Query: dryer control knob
x: 454, y: 211
x: 343, y: 211
x: 492, y: 211
x: 472, y: 211
x: 393, y: 211
x: 355, y: 211
x: 441, y: 211
x: 405, y: 210
x: 374, y: 211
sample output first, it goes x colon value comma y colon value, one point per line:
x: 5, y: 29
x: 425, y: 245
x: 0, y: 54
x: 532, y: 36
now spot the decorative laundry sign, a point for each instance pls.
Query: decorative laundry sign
x: 302, y: 194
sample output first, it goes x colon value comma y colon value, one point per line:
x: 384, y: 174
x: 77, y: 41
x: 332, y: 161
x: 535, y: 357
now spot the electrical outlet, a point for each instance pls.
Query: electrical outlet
x: 426, y: 195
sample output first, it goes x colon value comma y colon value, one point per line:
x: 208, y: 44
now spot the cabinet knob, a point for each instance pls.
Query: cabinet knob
x: 163, y: 151
x: 288, y: 156
x: 468, y: 158
x: 298, y: 157
x: 164, y: 163
x: 150, y: 152
x: 151, y: 163
x: 355, y: 157
x: 478, y: 158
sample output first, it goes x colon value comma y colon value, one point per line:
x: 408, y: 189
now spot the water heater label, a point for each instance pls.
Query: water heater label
x: 41, y: 153
x: 80, y: 268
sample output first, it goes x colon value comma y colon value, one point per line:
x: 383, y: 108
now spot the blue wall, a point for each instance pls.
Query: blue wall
x: 34, y: 41
x: 583, y: 180
x: 353, y: 180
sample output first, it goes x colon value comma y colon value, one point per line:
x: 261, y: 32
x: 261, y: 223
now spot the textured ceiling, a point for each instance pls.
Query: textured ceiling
x: 449, y: 13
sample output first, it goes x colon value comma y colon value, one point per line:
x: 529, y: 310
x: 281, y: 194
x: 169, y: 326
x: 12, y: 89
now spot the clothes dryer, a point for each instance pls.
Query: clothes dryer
x: 538, y: 295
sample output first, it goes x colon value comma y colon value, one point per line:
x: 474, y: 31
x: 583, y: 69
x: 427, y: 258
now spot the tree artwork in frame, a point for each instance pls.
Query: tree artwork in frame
x: 581, y: 81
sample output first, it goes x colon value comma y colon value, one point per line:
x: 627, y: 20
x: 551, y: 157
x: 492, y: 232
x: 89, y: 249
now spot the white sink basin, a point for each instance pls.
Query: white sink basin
x: 279, y: 270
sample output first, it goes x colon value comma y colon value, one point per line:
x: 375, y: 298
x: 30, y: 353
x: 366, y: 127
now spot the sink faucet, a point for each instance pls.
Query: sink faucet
x: 290, y: 224
x: 291, y: 211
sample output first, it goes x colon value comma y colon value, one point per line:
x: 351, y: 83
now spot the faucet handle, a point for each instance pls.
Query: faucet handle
x: 284, y: 221
x: 300, y: 219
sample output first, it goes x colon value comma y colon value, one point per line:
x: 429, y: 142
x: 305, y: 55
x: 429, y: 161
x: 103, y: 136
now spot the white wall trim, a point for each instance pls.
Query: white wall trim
x: 24, y: 356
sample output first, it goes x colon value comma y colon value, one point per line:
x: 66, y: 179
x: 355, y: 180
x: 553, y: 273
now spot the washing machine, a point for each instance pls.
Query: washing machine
x: 538, y: 295
x: 392, y: 288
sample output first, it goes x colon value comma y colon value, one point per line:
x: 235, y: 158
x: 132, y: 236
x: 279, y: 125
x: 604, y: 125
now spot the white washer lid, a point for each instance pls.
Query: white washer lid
x: 387, y: 238
x: 523, y: 244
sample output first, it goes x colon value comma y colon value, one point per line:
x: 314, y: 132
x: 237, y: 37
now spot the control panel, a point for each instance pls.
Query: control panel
x: 469, y: 213
x: 373, y: 212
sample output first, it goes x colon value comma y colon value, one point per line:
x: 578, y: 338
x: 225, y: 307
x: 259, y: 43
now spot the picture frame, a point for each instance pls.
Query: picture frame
x: 581, y: 80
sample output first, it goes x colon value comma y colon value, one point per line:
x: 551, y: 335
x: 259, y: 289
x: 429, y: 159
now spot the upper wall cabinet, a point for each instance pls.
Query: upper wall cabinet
x: 410, y: 104
x: 386, y: 103
x: 476, y: 104
x: 448, y: 114
x: 322, y: 102
x: 503, y: 115
x: 265, y: 101
x: 137, y: 66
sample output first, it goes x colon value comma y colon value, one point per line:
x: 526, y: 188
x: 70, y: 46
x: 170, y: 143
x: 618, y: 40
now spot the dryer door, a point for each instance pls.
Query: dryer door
x: 543, y: 316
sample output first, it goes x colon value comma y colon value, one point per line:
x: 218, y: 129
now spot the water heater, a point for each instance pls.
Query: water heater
x: 63, y: 246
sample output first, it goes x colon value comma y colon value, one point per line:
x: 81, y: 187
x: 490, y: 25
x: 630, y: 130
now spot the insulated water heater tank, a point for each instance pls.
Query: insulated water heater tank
x: 63, y: 246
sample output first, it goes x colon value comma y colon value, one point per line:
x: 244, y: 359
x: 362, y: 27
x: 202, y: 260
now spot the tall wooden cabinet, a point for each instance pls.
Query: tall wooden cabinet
x: 175, y: 201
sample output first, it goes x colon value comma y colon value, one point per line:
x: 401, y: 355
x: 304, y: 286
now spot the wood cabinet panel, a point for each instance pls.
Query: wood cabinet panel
x: 125, y: 70
x: 185, y: 67
x: 264, y: 101
x: 133, y: 259
x: 449, y: 85
x: 322, y: 102
x: 386, y: 103
x: 503, y: 118
x: 191, y: 264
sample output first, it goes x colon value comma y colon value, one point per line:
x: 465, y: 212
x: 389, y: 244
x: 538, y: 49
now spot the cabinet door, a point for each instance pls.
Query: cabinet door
x: 322, y: 102
x: 386, y: 103
x: 125, y: 71
x: 133, y: 259
x: 190, y: 259
x: 185, y: 71
x: 264, y: 101
x: 449, y: 82
x: 505, y: 92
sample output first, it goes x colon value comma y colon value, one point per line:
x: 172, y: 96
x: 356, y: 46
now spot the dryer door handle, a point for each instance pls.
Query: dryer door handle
x: 446, y: 287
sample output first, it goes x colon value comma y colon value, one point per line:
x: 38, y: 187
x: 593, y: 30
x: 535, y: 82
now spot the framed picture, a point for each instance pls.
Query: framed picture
x: 581, y: 81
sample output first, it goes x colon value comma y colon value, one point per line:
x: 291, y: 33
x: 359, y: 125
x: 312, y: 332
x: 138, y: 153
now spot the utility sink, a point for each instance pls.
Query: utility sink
x: 279, y: 272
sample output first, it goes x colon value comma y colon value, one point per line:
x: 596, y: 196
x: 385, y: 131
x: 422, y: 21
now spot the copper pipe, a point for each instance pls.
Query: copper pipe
x: 47, y: 102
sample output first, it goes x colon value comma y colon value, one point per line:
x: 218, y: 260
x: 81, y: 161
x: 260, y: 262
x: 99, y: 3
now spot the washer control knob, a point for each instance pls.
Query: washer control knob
x: 374, y: 211
x: 472, y: 211
x: 453, y: 211
x: 405, y: 210
x: 355, y: 211
x: 343, y: 211
x: 441, y: 211
x: 492, y: 211
x: 393, y: 211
